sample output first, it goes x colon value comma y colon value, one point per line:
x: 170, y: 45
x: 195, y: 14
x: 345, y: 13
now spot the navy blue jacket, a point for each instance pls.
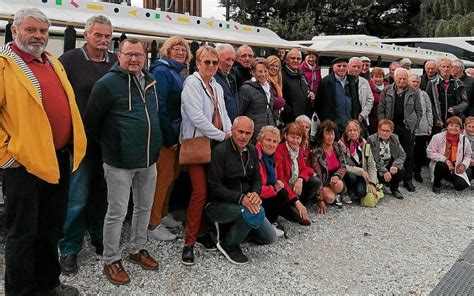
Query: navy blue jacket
x: 231, y: 96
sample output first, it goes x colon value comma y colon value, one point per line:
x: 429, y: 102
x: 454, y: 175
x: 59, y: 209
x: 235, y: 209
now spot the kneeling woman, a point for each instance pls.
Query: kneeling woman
x: 329, y: 163
x: 298, y: 179
x: 450, y: 154
x: 361, y: 169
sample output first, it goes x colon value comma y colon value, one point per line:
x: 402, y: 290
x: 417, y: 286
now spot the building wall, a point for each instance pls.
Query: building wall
x: 193, y: 7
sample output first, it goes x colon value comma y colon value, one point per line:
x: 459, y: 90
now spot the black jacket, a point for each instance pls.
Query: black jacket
x: 241, y: 74
x: 295, y: 93
x: 254, y: 104
x: 469, y: 86
x: 228, y: 177
x: 325, y: 103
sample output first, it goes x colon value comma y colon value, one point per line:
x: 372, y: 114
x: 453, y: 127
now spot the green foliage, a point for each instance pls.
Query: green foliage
x: 446, y: 18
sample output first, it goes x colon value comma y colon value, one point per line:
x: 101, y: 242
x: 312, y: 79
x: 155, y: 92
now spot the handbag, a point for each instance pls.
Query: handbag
x: 195, y: 150
x: 370, y: 200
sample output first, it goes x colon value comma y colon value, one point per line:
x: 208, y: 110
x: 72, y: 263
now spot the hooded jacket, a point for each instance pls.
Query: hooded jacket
x: 123, y: 118
x: 25, y: 132
x: 167, y: 74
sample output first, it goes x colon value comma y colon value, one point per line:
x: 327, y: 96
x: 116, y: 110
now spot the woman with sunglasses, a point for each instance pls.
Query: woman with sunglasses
x: 257, y: 97
x: 204, y: 114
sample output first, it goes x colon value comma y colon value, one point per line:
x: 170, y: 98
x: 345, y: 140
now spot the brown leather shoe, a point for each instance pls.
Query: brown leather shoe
x: 143, y: 259
x: 116, y: 273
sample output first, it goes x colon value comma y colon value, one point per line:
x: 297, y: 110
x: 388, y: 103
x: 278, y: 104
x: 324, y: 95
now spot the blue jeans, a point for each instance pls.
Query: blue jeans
x: 87, y: 205
x: 225, y: 212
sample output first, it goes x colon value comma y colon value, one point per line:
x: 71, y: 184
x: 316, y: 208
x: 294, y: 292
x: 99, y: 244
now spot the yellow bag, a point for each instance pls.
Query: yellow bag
x: 370, y: 199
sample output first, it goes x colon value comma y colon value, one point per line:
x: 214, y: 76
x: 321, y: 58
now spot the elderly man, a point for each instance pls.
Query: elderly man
x: 338, y: 96
x: 122, y: 115
x: 401, y: 104
x: 365, y: 70
x: 406, y: 64
x: 40, y: 127
x: 241, y: 69
x: 234, y: 193
x: 430, y: 73
x: 296, y: 91
x: 458, y: 72
x: 391, y: 71
x: 227, y: 80
x: 366, y: 97
x: 447, y: 94
x: 87, y: 189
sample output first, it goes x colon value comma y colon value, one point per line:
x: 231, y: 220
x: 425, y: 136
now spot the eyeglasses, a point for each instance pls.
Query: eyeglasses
x: 295, y: 58
x: 130, y: 55
x: 208, y: 63
x: 179, y: 49
x: 245, y: 56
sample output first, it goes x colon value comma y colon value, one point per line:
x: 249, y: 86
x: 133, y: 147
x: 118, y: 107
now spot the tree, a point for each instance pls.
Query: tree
x: 444, y: 18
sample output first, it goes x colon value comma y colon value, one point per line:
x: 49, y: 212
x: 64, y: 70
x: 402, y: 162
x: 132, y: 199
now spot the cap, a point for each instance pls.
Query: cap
x: 338, y: 60
x: 364, y: 59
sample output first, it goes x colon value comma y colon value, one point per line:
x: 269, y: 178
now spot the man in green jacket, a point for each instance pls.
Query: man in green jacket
x: 122, y: 115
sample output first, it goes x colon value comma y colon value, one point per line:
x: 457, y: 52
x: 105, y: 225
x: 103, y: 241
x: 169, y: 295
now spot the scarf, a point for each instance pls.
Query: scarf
x: 294, y: 163
x: 277, y: 85
x: 451, y: 146
x: 379, y: 87
x: 269, y: 162
x: 176, y: 69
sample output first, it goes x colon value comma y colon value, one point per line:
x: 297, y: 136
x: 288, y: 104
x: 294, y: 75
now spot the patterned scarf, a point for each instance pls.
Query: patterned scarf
x: 294, y: 163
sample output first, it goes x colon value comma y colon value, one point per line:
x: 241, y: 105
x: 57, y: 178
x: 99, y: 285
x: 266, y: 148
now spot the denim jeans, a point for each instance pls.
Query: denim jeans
x: 225, y: 212
x: 355, y: 184
x: 35, y: 217
x: 87, y: 205
x: 142, y: 181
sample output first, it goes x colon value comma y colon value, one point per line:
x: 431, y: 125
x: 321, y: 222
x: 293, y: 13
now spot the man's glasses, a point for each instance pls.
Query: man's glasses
x: 245, y: 56
x: 295, y: 58
x: 208, y: 63
x: 130, y: 55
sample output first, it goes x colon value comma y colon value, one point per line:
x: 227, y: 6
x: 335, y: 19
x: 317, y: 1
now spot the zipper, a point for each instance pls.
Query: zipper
x: 148, y: 121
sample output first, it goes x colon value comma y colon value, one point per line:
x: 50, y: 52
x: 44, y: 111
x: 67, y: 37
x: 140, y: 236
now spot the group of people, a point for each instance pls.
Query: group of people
x: 282, y: 138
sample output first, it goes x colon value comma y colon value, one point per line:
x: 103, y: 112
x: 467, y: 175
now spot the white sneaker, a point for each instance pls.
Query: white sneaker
x: 161, y: 233
x: 346, y: 199
x: 170, y: 222
x: 338, y: 201
x: 279, y: 232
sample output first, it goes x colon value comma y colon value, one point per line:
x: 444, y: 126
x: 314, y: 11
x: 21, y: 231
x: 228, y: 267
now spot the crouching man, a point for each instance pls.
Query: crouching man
x: 234, y: 193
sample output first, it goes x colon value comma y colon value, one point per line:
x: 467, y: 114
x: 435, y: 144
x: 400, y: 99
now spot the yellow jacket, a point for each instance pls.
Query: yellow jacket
x: 25, y: 132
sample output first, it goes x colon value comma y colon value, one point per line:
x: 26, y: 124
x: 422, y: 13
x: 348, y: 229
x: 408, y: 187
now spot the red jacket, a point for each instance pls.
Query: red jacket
x: 268, y: 191
x: 283, y: 168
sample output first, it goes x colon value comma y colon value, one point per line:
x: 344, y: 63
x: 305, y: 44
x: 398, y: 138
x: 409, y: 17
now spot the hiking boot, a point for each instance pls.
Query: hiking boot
x: 187, y: 257
x: 116, y: 274
x: 144, y: 259
x: 69, y: 264
x: 232, y: 253
x: 161, y: 233
x: 170, y: 222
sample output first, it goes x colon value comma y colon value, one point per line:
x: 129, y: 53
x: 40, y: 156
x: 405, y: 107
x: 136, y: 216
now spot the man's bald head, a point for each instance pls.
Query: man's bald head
x: 242, y: 131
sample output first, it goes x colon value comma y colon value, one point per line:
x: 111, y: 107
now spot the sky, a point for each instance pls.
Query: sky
x: 210, y: 8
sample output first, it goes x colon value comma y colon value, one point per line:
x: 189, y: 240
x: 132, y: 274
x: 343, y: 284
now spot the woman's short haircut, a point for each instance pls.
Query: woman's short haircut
x: 175, y: 41
x: 295, y: 129
x: 353, y: 121
x: 386, y: 122
x: 454, y: 120
x: 259, y: 61
x: 206, y: 49
x: 326, y: 126
x: 377, y: 71
x: 267, y: 129
x: 303, y: 118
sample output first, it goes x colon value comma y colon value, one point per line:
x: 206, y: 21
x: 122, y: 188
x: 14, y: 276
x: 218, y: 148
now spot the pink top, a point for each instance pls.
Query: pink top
x: 332, y: 161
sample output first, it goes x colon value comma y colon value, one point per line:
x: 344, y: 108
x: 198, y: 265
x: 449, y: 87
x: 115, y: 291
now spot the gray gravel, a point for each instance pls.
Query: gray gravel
x: 399, y: 247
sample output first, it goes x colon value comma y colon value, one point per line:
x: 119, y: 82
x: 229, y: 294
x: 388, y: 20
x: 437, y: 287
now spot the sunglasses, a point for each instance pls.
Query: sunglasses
x: 208, y: 63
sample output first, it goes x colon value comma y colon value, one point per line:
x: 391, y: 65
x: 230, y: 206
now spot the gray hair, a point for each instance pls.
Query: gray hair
x: 97, y: 19
x: 416, y: 76
x: 291, y: 51
x: 221, y: 47
x: 35, y: 13
x: 442, y: 60
x: 242, y: 47
x: 399, y: 70
x: 393, y: 63
x: 459, y: 64
x: 355, y: 59
x: 405, y: 61
x: 303, y: 118
x: 269, y: 129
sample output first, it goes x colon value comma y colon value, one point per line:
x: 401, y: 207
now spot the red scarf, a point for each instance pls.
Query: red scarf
x: 451, y: 146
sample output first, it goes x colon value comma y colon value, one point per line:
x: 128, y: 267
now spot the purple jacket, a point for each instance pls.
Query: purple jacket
x: 313, y: 76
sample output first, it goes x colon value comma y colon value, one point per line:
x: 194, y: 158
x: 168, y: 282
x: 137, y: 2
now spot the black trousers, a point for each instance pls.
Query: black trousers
x: 419, y: 154
x: 308, y: 194
x: 274, y: 206
x: 355, y: 184
x: 442, y: 172
x: 407, y: 140
x: 35, y: 217
x: 395, y: 181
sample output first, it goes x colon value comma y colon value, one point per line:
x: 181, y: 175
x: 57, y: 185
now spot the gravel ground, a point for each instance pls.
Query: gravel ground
x: 399, y: 247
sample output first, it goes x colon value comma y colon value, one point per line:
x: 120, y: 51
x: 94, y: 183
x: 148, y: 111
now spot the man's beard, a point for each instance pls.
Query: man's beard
x: 34, y: 50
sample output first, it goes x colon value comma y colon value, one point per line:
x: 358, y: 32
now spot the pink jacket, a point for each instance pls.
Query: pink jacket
x: 437, y: 148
